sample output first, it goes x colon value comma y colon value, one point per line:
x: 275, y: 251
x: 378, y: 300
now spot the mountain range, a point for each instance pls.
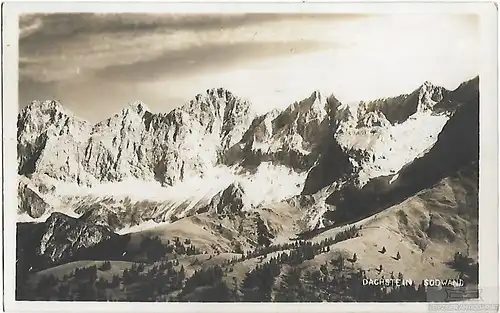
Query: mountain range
x: 401, y: 172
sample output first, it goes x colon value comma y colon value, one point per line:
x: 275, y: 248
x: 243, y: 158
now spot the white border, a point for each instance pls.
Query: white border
x: 488, y: 191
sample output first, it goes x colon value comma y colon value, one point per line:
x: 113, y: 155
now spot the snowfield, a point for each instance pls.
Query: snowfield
x: 391, y: 147
x: 118, y: 171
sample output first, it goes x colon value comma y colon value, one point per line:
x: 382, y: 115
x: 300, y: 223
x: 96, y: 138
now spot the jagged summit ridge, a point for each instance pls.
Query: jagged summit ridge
x: 50, y: 115
x: 230, y: 201
x: 132, y: 143
x: 379, y: 137
x: 291, y: 137
x: 313, y: 184
x: 318, y: 137
x: 138, y: 107
x: 49, y: 139
x: 428, y: 96
x: 399, y: 109
x: 218, y: 116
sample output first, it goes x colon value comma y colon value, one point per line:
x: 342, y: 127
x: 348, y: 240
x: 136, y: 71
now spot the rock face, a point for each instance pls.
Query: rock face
x: 330, y: 146
x: 133, y: 143
x: 382, y: 136
x: 63, y: 236
x: 59, y: 239
x: 231, y: 200
x: 292, y: 137
x: 30, y: 201
x: 100, y: 214
x: 457, y: 147
x: 212, y: 175
x: 373, y: 119
x: 50, y: 140
x: 398, y: 109
x: 257, y: 229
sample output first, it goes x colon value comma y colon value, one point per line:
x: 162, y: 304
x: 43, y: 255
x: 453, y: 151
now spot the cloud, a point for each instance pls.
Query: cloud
x: 202, y: 58
x: 56, y: 47
x: 96, y: 63
x: 59, y: 25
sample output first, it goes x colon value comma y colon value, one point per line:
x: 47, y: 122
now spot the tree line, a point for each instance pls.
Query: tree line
x: 306, y: 247
x: 280, y: 278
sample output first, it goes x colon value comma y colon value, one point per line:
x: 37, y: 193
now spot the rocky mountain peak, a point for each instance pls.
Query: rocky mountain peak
x: 316, y: 95
x: 428, y: 84
x: 128, y: 119
x: 138, y: 107
x: 314, y: 103
x: 63, y: 236
x: 45, y: 105
x: 211, y: 100
x: 290, y: 137
x: 399, y: 109
x: 374, y: 119
x: 40, y: 115
x: 229, y: 201
x: 217, y: 128
x: 467, y: 90
x: 132, y: 143
x: 47, y: 134
x: 427, y: 96
x: 220, y: 113
x: 220, y: 92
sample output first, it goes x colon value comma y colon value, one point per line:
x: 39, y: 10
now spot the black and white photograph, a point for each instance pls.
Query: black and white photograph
x: 288, y: 156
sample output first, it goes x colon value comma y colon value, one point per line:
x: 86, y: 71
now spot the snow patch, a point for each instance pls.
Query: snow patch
x: 390, y: 148
x: 394, y: 178
x: 272, y: 183
x: 141, y: 227
x: 25, y: 218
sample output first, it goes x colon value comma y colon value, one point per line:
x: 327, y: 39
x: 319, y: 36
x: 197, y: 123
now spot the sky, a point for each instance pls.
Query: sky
x: 96, y: 64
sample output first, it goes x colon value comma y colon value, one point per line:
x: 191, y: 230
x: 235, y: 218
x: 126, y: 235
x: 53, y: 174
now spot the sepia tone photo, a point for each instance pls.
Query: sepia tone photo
x: 248, y: 157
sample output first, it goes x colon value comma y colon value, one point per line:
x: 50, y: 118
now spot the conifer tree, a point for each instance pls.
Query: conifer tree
x: 341, y: 263
x: 290, y: 288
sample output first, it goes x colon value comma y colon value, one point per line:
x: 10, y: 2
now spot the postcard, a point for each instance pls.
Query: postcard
x: 229, y: 156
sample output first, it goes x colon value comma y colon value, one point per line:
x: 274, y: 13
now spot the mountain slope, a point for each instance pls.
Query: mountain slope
x: 50, y: 140
x: 214, y: 141
x: 211, y: 190
x: 292, y: 137
x: 133, y: 143
x: 457, y: 146
x: 187, y: 144
x: 398, y: 109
